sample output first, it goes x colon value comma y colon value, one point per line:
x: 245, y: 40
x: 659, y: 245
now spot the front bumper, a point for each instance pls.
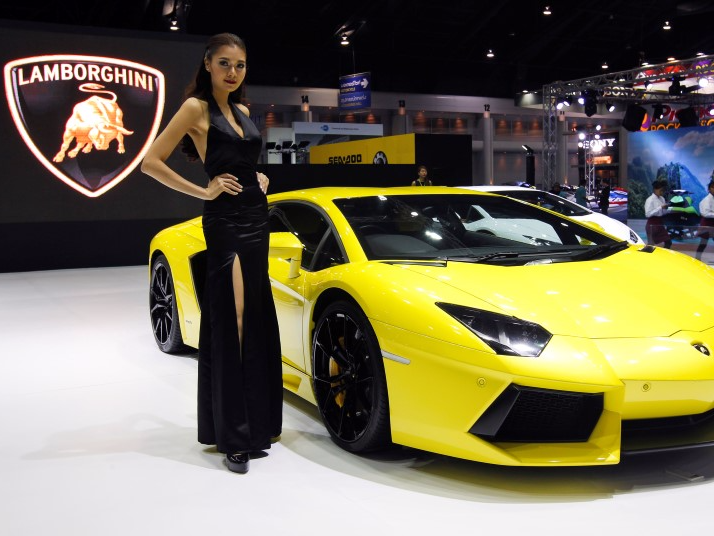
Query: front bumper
x: 462, y: 402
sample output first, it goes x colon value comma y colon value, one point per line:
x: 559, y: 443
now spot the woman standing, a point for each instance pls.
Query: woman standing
x: 239, y: 368
x: 422, y: 179
x: 706, y: 225
x: 655, y: 208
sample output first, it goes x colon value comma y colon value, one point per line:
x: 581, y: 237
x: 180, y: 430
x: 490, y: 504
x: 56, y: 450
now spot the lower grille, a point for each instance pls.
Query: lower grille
x: 668, y: 424
x: 528, y: 414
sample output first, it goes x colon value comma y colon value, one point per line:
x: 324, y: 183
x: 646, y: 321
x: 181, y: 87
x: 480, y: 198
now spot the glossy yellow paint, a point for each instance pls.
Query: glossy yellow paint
x: 624, y: 326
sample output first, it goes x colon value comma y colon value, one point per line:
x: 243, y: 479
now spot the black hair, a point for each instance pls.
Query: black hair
x: 711, y: 183
x: 201, y: 86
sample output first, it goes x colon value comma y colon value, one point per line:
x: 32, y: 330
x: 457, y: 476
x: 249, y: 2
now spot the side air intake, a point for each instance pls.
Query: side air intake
x: 531, y: 415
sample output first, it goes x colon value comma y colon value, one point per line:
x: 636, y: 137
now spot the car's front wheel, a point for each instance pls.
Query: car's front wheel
x: 348, y: 379
x: 163, y: 309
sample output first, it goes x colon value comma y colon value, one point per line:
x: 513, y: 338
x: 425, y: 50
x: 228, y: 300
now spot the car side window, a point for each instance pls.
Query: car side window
x: 311, y: 228
x: 328, y: 253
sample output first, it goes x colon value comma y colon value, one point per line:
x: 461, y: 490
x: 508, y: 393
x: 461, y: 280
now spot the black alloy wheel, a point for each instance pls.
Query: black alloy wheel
x: 348, y: 379
x: 162, y: 308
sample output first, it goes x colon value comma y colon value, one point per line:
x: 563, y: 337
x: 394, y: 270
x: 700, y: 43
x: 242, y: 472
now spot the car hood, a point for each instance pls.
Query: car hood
x: 630, y: 294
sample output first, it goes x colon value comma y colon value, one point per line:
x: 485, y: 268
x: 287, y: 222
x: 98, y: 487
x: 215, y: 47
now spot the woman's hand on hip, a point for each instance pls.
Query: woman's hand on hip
x: 263, y: 181
x: 225, y: 182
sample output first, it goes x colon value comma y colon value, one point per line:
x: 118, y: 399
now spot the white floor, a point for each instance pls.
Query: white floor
x: 98, y: 438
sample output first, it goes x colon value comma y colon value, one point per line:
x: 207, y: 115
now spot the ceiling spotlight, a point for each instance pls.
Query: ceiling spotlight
x: 605, y: 65
x: 711, y: 110
x: 666, y: 26
x: 174, y: 23
x: 678, y: 89
x: 610, y: 106
x: 344, y: 41
x: 490, y: 53
x: 563, y: 102
x: 547, y: 11
x: 589, y: 97
x: 658, y: 111
x: 688, y: 117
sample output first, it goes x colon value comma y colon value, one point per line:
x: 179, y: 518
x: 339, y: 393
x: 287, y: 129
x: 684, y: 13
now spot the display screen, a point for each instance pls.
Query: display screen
x: 684, y: 157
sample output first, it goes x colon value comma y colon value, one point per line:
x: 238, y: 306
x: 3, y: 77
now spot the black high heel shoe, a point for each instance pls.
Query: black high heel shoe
x: 238, y: 463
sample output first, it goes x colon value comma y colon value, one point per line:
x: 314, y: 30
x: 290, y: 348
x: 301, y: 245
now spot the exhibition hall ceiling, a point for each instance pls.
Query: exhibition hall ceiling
x: 415, y: 46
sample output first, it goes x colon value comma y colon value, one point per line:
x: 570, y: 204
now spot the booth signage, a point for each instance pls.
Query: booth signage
x: 355, y: 92
x: 599, y: 144
x: 339, y: 129
x: 89, y: 120
x: 387, y: 150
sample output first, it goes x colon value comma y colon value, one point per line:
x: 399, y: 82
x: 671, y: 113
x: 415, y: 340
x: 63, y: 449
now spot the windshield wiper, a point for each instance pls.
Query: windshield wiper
x: 601, y: 250
x: 485, y: 257
x: 495, y: 255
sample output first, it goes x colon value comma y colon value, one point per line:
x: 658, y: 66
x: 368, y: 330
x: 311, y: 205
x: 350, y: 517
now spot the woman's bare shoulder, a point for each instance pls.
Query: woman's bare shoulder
x: 243, y: 109
x: 192, y: 115
x: 194, y: 105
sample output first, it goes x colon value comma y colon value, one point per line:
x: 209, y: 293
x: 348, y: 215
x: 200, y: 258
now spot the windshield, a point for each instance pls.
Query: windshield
x: 547, y: 200
x: 471, y: 228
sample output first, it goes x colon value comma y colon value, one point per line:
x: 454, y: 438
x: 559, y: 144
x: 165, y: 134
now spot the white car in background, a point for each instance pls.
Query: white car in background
x: 565, y: 207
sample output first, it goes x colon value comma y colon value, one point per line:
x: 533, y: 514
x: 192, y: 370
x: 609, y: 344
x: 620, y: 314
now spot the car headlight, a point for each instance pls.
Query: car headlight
x: 505, y: 334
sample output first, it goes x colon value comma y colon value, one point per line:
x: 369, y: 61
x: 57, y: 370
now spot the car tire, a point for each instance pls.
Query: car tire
x: 348, y: 379
x: 162, y: 308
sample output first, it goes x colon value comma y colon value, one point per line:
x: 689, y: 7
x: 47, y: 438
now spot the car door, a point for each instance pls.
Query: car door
x: 320, y: 250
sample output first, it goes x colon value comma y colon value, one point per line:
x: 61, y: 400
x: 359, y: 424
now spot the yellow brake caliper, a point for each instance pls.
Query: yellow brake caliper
x: 335, y: 371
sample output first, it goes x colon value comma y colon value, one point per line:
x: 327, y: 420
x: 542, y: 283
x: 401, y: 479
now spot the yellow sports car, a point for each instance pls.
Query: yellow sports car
x: 471, y: 325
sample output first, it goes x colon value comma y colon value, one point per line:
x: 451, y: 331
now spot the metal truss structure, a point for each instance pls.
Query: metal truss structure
x: 625, y: 87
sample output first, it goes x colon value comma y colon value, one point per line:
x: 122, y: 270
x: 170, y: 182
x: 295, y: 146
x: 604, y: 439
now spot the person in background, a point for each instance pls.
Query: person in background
x: 240, y: 391
x: 557, y: 190
x: 604, y: 199
x: 706, y: 225
x: 581, y: 194
x: 422, y: 179
x: 655, y: 208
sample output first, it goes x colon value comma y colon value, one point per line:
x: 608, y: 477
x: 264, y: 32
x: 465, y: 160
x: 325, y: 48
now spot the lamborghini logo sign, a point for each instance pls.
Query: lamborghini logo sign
x: 89, y: 120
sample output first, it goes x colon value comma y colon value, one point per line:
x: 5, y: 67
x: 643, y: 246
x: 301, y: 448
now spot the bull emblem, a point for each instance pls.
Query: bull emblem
x: 94, y: 123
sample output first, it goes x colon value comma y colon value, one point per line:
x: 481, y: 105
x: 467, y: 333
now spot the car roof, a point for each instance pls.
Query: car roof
x: 499, y: 188
x: 328, y: 193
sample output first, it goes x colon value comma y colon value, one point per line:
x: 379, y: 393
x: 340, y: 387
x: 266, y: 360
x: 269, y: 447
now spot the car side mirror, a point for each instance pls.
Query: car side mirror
x: 287, y: 247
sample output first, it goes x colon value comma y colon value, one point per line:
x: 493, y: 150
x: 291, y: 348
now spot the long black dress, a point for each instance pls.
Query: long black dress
x: 239, y: 385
